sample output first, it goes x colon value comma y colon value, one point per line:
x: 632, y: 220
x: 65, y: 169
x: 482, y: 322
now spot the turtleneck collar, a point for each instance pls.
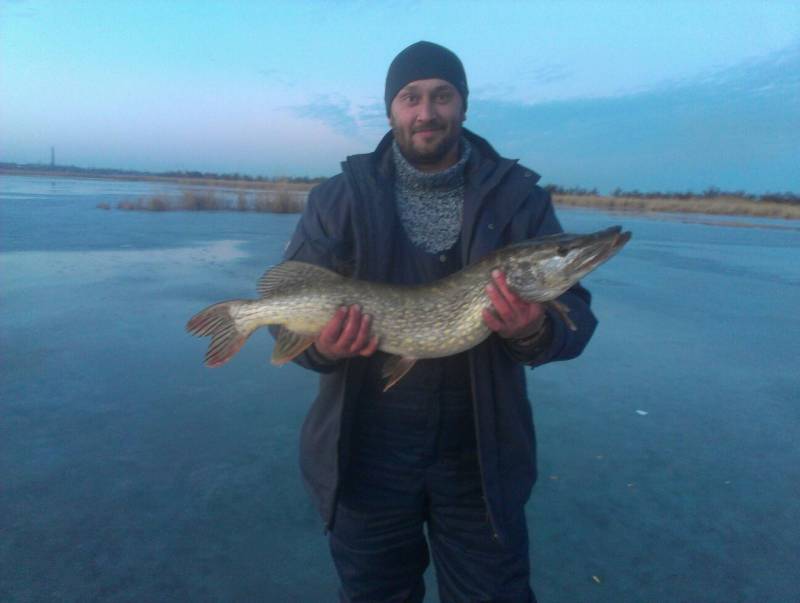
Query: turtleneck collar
x: 410, y: 177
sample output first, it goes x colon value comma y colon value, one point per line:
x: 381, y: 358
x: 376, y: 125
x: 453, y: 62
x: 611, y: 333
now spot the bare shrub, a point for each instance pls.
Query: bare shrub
x: 157, y: 204
x: 241, y: 202
x: 195, y: 200
x: 262, y: 203
x: 282, y: 204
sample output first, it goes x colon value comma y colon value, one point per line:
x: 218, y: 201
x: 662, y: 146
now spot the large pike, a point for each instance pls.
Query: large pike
x: 412, y: 322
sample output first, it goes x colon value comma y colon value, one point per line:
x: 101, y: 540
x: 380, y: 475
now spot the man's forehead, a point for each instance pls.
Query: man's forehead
x: 427, y: 85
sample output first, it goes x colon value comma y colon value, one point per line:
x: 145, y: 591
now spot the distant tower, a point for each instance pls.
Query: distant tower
x: 52, y: 157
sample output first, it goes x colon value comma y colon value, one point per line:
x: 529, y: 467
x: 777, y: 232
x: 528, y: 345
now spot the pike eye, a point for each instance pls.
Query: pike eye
x: 561, y: 252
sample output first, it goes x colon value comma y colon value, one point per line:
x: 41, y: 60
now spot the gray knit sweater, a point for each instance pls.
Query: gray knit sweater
x: 430, y: 205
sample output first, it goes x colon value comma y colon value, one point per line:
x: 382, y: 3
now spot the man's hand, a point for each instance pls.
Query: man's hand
x: 346, y: 335
x: 511, y: 317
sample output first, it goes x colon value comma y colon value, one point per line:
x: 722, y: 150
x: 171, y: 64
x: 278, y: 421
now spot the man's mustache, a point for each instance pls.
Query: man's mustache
x: 429, y: 127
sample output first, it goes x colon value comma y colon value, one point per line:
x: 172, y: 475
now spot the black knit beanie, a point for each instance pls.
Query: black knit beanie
x: 424, y: 60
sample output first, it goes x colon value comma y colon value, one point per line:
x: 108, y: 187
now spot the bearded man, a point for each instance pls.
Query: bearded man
x: 451, y: 447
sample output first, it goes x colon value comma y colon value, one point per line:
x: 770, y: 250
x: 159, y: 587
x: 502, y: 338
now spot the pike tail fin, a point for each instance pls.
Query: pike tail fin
x: 226, y: 338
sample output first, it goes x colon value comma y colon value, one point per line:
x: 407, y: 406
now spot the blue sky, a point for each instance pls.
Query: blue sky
x: 648, y: 95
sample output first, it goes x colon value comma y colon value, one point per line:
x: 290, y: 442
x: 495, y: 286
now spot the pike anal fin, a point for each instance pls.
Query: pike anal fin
x: 563, y: 311
x: 395, y: 369
x: 289, y: 344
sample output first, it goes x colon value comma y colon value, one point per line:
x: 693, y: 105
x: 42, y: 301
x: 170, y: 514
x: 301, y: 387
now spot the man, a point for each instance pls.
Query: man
x: 451, y: 446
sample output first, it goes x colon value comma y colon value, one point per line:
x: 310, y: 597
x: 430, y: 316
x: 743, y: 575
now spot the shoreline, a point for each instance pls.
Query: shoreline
x: 701, y: 205
x: 282, y: 184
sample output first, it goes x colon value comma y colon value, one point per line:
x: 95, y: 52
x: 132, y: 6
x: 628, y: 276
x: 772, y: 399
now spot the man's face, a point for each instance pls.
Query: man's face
x: 426, y: 117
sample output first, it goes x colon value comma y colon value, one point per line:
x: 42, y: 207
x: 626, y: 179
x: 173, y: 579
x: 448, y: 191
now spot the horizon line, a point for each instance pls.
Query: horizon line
x: 710, y: 190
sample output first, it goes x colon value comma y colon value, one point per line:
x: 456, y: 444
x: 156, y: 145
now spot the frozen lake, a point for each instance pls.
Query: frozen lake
x: 669, y: 452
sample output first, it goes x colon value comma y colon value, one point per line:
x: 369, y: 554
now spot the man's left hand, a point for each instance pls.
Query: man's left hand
x: 511, y: 317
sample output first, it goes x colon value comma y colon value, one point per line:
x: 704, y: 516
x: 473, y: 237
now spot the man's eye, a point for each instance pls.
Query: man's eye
x: 444, y: 97
x: 410, y: 98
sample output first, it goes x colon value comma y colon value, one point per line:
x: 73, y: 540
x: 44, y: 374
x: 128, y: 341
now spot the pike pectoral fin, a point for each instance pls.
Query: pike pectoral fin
x: 395, y: 368
x: 289, y: 344
x: 563, y: 311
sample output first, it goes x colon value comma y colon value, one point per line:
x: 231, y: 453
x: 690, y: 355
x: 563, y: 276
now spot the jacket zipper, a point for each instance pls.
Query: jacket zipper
x: 489, y: 517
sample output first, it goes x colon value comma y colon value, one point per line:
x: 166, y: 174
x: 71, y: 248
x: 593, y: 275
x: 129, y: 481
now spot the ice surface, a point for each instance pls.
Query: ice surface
x: 130, y: 472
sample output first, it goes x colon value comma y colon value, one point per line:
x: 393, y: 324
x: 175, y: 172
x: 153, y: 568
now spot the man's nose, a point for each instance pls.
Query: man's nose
x: 427, y: 111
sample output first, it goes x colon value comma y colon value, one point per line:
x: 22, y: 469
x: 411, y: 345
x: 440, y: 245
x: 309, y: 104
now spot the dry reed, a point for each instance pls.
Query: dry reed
x: 280, y: 201
x: 729, y: 206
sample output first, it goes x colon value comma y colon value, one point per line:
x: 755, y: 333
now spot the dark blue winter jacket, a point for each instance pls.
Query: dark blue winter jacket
x: 350, y: 225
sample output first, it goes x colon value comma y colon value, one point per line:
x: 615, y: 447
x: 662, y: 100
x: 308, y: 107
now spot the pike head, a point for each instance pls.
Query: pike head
x: 542, y: 269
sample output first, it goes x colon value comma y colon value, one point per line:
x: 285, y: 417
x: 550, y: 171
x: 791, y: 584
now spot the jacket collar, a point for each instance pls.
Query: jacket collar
x: 371, y: 177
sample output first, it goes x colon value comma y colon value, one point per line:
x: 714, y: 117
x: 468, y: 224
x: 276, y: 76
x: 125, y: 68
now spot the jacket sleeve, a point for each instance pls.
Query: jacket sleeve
x: 321, y: 238
x: 558, y: 341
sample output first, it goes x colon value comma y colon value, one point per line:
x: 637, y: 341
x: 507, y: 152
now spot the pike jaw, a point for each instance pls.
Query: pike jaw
x: 544, y: 268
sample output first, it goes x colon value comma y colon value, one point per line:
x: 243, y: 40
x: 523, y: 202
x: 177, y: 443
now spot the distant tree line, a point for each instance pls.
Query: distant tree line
x: 186, y: 174
x: 242, y: 177
x: 711, y: 192
x: 577, y: 191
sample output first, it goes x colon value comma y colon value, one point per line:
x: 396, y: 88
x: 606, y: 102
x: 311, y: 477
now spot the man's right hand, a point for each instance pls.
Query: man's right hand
x: 347, y: 334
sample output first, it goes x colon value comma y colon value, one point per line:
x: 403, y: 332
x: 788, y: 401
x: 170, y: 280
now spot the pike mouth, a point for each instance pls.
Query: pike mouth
x: 600, y: 251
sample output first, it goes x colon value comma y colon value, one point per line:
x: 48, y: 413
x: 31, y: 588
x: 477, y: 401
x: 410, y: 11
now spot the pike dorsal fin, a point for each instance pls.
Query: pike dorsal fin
x: 395, y: 369
x: 289, y: 344
x: 293, y: 273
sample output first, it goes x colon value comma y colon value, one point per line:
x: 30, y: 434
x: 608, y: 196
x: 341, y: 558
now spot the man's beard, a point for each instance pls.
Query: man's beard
x: 429, y: 156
